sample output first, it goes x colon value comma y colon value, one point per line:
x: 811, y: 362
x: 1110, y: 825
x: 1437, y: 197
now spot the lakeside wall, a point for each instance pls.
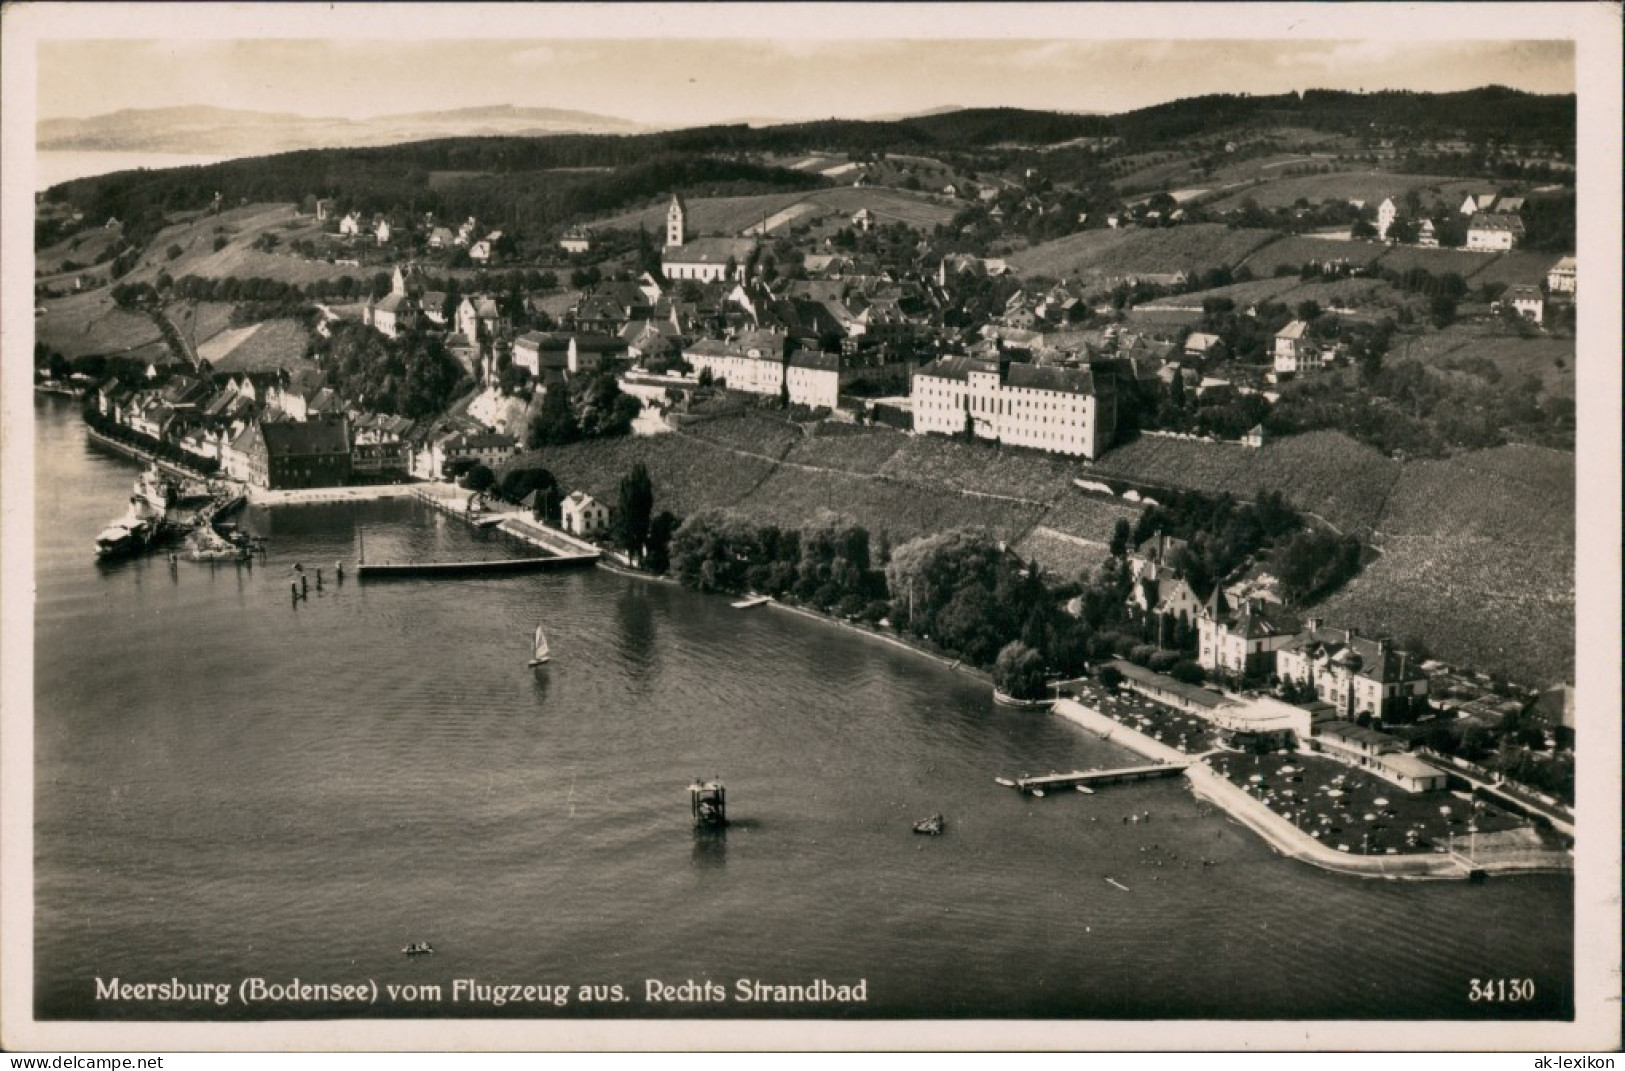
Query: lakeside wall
x: 1289, y: 840
x: 1133, y: 739
x: 1286, y: 838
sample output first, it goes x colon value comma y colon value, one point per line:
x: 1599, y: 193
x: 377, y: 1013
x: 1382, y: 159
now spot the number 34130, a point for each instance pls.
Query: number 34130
x: 1501, y: 990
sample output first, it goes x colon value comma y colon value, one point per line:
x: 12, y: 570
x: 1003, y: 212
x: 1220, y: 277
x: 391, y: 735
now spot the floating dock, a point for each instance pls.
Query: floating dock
x: 1093, y: 778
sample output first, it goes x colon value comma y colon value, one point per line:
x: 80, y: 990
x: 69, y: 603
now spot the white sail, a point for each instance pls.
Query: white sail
x: 541, y: 646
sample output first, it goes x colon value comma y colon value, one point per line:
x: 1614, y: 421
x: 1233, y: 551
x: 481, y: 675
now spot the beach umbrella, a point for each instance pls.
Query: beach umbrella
x: 1370, y: 818
x: 1256, y: 778
x: 1334, y: 793
x: 1380, y: 802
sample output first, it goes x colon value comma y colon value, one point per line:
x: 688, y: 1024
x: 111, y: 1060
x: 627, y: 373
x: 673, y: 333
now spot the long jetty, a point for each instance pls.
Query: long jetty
x: 562, y: 552
x: 1091, y: 778
x: 494, y: 567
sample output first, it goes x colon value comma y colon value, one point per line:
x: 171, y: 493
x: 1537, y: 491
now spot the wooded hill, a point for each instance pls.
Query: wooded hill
x: 530, y: 181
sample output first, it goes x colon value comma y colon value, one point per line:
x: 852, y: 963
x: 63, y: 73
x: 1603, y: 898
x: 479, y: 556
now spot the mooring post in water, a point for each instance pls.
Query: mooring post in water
x: 318, y: 580
x: 338, y: 571
x: 304, y: 586
x: 294, y: 588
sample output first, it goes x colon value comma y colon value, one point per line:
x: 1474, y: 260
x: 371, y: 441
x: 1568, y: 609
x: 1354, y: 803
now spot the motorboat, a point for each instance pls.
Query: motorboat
x: 418, y: 948
x: 931, y: 827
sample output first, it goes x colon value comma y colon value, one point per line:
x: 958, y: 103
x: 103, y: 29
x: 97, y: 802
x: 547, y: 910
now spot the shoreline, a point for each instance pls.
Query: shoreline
x: 1208, y: 785
x: 957, y: 665
x: 309, y: 496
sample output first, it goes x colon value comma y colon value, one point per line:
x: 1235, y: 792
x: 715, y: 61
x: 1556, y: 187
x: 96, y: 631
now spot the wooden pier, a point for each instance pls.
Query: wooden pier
x: 1092, y: 778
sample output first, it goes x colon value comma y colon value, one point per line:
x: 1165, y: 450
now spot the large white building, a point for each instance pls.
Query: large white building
x: 1356, y: 675
x: 1295, y: 352
x: 1560, y: 278
x: 753, y: 362
x: 1493, y: 232
x: 1060, y: 410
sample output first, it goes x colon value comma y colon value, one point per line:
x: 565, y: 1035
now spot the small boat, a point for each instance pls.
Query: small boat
x: 931, y: 827
x: 1118, y: 884
x: 539, y: 654
x: 1005, y: 781
x: 1086, y: 790
x: 750, y: 601
x: 418, y: 948
x: 1038, y: 792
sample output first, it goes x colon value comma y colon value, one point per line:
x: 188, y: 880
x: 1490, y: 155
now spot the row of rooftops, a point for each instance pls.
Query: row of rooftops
x: 1020, y: 375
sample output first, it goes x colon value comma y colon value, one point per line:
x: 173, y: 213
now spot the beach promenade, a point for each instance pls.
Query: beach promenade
x: 1286, y: 838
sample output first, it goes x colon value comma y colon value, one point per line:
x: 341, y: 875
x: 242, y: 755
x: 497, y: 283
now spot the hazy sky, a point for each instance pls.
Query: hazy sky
x: 687, y: 80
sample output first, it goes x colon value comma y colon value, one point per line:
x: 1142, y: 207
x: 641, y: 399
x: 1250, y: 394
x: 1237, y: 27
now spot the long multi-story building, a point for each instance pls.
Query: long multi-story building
x: 1061, y: 410
x: 1357, y: 675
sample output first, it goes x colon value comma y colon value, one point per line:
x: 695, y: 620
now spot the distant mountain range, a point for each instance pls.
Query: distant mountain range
x: 202, y: 130
x: 207, y: 131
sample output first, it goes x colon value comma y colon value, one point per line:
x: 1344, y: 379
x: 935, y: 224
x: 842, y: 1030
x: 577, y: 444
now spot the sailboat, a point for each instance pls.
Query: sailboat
x: 541, y: 653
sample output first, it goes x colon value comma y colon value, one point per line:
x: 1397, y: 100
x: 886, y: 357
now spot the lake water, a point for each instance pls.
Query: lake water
x: 54, y: 166
x: 233, y: 786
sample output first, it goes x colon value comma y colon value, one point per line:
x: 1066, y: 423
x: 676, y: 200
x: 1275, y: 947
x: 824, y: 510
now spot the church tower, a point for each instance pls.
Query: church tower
x: 676, y: 221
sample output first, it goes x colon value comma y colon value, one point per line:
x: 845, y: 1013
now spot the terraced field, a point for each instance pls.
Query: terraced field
x: 903, y: 511
x: 1516, y: 267
x: 1517, y: 495
x: 1063, y: 556
x: 1197, y: 247
x: 688, y: 475
x: 733, y: 215
x: 1088, y: 517
x: 1514, y: 358
x: 1436, y: 261
x: 918, y: 210
x: 91, y: 324
x: 200, y: 321
x: 1243, y: 294
x: 1477, y: 602
x: 706, y: 215
x: 941, y: 463
x: 1326, y: 472
x: 752, y: 432
x: 262, y: 347
x: 1364, y: 185
x: 862, y: 450
x: 1478, y: 557
x: 1294, y: 251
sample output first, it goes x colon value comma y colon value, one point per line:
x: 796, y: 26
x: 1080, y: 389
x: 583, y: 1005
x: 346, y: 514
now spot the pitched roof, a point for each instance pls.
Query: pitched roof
x: 1258, y: 620
x: 709, y: 251
x: 1051, y: 378
x: 956, y: 367
x: 1358, y: 734
x: 1295, y: 329
x: 816, y: 361
x: 581, y: 500
x: 1374, y: 660
x: 1496, y: 221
